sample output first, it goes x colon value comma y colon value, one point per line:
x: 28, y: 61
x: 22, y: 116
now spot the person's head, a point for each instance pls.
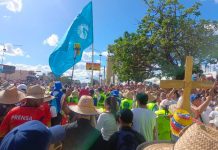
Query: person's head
x: 142, y: 99
x: 162, y: 96
x: 175, y: 95
x: 125, y: 118
x: 91, y: 92
x: 22, y: 88
x: 111, y: 105
x: 196, y: 99
x: 32, y: 135
x: 11, y: 95
x: 36, y: 96
x: 85, y: 107
x: 140, y: 85
x: 33, y: 102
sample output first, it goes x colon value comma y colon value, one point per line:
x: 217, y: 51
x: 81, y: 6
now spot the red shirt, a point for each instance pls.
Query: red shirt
x: 83, y: 92
x: 19, y: 115
x: 46, y: 108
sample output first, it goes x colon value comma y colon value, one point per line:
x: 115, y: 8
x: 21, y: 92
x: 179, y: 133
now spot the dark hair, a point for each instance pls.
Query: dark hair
x: 126, y: 115
x: 177, y: 94
x: 142, y: 98
x: 112, y: 103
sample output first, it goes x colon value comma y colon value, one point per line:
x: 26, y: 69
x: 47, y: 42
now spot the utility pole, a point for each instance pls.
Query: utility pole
x: 100, y: 70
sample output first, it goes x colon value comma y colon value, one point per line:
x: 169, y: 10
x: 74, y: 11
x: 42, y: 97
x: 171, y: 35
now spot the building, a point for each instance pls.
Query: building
x: 18, y: 75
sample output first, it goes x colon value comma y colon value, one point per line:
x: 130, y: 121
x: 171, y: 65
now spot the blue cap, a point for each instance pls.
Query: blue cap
x: 57, y: 86
x: 194, y: 77
x: 32, y: 135
x: 193, y: 97
x: 115, y: 93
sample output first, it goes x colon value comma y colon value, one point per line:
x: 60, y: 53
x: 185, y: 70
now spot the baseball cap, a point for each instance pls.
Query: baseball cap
x: 126, y: 115
x: 194, y: 77
x: 32, y: 135
x: 115, y: 93
x: 193, y: 97
x: 22, y: 87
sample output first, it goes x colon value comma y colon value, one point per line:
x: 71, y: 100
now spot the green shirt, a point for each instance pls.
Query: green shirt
x: 126, y: 104
x: 100, y: 103
x: 163, y: 125
x: 71, y: 99
x: 152, y: 106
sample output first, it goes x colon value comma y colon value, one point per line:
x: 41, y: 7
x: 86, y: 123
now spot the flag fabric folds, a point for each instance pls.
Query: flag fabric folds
x: 80, y: 32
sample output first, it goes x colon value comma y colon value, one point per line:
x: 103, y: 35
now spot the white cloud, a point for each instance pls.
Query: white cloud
x: 105, y: 53
x: 28, y: 56
x: 12, y: 5
x: 216, y: 1
x: 52, y: 40
x: 6, y: 17
x: 87, y: 56
x: 11, y: 50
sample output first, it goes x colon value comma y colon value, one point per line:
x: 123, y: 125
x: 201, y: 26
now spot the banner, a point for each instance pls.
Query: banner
x: 96, y: 66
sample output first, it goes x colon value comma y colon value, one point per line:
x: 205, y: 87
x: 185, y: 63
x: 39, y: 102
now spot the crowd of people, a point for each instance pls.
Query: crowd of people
x: 115, y: 117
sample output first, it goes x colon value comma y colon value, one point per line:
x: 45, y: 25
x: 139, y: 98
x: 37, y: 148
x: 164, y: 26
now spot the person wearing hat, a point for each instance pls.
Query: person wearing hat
x: 32, y: 135
x: 8, y: 98
x: 126, y: 138
x: 56, y: 102
x: 144, y: 120
x: 82, y: 134
x: 200, y: 108
x: 194, y: 137
x: 31, y: 110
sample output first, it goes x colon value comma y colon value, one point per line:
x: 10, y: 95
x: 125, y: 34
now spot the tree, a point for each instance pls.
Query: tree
x: 176, y: 32
x: 131, y: 58
x: 166, y: 35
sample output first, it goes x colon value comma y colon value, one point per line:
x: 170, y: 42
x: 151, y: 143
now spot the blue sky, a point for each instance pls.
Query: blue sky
x: 30, y: 29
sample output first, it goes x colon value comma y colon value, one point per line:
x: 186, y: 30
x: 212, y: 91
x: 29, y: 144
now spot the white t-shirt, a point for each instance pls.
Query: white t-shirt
x: 164, y: 103
x: 106, y: 123
x: 213, y: 114
x: 205, y: 115
x: 144, y: 122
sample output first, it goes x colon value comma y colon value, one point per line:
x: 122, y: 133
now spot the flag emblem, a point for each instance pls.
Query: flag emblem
x: 83, y: 30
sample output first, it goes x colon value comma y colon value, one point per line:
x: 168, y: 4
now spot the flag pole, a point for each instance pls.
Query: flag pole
x: 92, y: 82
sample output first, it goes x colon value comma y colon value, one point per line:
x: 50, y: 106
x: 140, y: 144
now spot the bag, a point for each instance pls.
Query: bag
x: 127, y: 141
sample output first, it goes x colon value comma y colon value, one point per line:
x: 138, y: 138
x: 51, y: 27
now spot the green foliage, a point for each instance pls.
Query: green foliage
x: 166, y: 35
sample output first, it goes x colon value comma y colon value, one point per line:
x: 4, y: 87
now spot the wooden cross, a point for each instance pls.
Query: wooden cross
x: 187, y: 84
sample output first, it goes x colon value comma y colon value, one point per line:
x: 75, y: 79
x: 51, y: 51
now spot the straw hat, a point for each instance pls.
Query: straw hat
x: 85, y: 106
x: 38, y: 92
x: 11, y: 95
x: 196, y: 137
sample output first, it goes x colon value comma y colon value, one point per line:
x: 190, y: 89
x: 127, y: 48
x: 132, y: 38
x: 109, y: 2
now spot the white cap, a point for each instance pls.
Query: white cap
x: 22, y: 87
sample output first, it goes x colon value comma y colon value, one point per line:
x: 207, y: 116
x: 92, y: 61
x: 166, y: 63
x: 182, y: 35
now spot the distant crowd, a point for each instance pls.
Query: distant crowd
x: 116, y: 117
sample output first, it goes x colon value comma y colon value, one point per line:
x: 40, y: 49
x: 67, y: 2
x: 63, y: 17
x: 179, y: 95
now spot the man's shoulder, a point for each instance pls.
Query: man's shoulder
x: 70, y: 126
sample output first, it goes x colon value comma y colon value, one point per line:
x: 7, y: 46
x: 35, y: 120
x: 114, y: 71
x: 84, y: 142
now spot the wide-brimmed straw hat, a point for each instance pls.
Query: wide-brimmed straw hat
x: 38, y: 92
x: 11, y: 95
x: 196, y: 137
x: 85, y: 106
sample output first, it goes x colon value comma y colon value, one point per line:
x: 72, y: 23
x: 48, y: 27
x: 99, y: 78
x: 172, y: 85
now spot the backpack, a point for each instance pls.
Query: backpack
x: 127, y: 140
